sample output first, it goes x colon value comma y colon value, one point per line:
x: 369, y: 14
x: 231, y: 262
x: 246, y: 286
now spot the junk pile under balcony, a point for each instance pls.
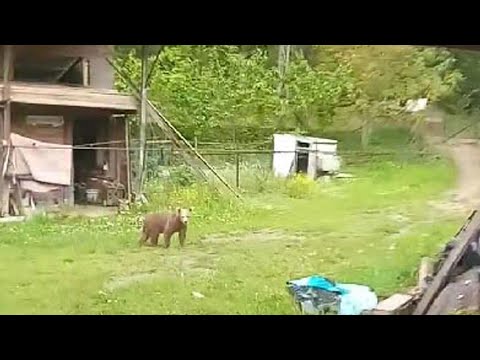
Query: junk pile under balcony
x: 34, y: 172
x: 97, y: 189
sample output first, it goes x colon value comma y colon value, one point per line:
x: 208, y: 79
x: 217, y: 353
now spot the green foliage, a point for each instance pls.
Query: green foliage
x: 212, y: 91
x: 385, y: 77
x: 313, y: 94
x: 205, y: 90
x: 300, y: 187
x: 182, y: 175
x: 209, y: 206
x: 467, y: 99
x: 137, y: 49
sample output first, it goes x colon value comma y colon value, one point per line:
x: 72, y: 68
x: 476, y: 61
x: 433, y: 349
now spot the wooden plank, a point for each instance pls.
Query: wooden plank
x: 465, y: 238
x: 86, y: 72
x: 86, y: 103
x: 394, y: 305
x: 48, y: 88
x: 71, y: 96
x: 17, y: 193
x: 112, y: 154
x: 20, y: 111
x: 5, y: 198
x: 6, y: 125
x: 118, y: 102
x: 6, y: 90
x: 68, y: 140
x: 12, y: 219
x: 17, y: 196
x: 101, y: 74
x: 467, y: 222
x: 118, y: 154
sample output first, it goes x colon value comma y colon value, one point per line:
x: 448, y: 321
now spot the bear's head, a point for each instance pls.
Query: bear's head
x: 184, y: 215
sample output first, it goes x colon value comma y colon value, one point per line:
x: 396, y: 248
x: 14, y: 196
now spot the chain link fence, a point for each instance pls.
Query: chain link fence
x: 249, y: 166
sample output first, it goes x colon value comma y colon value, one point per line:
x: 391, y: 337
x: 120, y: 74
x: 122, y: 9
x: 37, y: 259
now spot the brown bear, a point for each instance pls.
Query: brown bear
x: 166, y: 224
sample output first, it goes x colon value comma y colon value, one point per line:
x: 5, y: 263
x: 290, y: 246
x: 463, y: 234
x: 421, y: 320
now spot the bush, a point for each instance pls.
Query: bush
x: 300, y: 186
x: 182, y: 175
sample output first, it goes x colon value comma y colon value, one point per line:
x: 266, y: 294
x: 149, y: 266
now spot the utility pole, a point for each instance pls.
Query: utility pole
x: 143, y: 121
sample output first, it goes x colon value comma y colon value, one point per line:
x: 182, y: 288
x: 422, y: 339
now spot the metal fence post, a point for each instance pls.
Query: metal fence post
x: 237, y: 169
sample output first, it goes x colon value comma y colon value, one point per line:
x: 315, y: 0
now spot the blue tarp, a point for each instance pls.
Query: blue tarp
x: 315, y: 293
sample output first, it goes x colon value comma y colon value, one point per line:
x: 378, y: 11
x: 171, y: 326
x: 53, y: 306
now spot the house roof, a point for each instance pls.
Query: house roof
x: 308, y: 139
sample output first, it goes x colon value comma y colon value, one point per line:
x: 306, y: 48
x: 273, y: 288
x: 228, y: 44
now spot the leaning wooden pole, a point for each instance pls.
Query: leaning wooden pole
x: 192, y: 149
x: 173, y: 129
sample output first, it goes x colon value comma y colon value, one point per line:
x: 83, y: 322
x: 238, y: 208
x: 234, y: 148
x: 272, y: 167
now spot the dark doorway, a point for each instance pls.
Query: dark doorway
x: 302, y: 156
x: 85, y: 132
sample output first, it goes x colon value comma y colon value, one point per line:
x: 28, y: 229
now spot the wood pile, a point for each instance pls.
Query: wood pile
x: 448, y: 286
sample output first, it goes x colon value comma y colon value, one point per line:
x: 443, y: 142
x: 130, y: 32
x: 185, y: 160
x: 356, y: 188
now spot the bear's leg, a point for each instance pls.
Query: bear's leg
x: 154, y: 238
x: 182, y: 235
x: 143, y: 238
x: 167, y: 236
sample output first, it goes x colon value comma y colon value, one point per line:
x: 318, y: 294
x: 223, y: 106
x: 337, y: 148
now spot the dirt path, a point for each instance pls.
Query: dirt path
x: 466, y: 155
x: 467, y: 159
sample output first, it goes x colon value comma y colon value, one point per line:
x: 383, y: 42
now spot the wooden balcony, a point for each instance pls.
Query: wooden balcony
x: 60, y: 95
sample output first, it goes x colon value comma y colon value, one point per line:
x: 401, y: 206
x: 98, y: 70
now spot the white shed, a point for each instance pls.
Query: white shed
x: 304, y: 154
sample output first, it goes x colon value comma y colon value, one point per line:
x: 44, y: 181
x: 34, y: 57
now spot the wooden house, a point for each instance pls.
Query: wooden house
x: 64, y: 95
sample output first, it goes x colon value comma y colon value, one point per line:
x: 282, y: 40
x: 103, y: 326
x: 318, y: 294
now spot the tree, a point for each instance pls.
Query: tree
x: 208, y: 90
x: 386, y: 77
x: 314, y: 94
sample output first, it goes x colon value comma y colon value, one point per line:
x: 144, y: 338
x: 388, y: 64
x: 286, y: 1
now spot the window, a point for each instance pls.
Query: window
x: 61, y: 70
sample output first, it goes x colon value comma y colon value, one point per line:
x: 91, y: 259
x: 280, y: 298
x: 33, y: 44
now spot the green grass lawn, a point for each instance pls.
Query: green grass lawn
x: 372, y: 230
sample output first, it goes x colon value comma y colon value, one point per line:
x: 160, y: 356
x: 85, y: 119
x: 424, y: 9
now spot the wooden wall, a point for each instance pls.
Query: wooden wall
x: 101, y: 74
x: 55, y: 135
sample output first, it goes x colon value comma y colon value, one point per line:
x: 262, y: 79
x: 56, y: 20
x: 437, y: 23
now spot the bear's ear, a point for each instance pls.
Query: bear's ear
x: 178, y: 210
x: 191, y: 209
